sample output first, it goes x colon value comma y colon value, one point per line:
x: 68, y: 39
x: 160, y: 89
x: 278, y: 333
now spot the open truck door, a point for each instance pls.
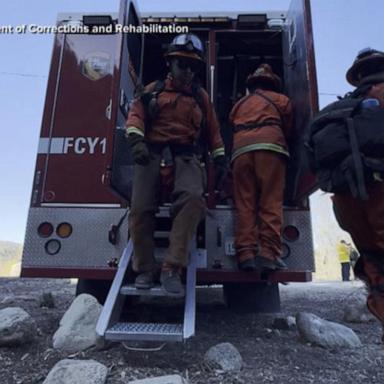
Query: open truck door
x: 81, y: 143
x: 127, y: 78
x: 77, y: 119
x: 301, y: 87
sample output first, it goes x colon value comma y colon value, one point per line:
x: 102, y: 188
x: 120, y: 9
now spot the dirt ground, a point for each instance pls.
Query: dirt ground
x: 270, y: 356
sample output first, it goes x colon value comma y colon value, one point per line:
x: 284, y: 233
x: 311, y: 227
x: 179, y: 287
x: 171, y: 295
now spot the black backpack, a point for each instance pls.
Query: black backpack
x: 345, y: 145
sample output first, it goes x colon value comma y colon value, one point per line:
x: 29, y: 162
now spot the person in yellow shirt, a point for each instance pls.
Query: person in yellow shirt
x: 343, y: 251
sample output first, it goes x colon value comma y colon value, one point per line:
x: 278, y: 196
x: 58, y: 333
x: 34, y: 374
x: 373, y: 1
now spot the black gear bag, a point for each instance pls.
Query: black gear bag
x: 345, y: 145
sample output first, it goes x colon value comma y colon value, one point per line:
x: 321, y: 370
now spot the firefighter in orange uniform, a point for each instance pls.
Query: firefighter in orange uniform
x: 364, y: 219
x: 170, y: 115
x: 262, y: 121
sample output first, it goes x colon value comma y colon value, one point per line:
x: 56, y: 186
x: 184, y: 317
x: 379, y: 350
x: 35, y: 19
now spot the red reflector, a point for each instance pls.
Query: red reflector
x: 45, y: 229
x: 291, y: 233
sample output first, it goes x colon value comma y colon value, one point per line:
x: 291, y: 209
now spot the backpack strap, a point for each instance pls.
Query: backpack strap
x: 202, y: 136
x: 359, y: 92
x: 149, y: 100
x: 270, y: 101
x: 356, y: 156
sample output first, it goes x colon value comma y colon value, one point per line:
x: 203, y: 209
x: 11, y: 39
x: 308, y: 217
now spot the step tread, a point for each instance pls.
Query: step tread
x: 145, y: 331
x: 147, y: 328
x: 131, y: 290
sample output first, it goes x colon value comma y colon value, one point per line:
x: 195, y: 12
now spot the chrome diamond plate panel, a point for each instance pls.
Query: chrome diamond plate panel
x: 219, y: 237
x: 88, y: 245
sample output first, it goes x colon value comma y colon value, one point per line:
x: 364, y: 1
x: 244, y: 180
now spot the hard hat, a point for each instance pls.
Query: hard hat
x: 186, y: 45
x: 264, y: 74
x: 367, y: 65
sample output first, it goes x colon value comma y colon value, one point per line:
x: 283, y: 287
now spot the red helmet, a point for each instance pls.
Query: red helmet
x: 264, y: 74
x: 186, y: 45
x: 367, y: 67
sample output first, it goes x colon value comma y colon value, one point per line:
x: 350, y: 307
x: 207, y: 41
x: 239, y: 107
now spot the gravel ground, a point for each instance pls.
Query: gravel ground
x: 270, y: 356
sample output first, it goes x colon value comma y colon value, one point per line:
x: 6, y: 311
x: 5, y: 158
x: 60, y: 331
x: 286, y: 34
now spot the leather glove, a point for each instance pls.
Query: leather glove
x: 139, y: 149
x: 221, y: 171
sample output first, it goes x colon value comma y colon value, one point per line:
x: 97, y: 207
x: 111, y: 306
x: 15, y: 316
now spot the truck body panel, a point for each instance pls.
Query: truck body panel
x: 84, y: 167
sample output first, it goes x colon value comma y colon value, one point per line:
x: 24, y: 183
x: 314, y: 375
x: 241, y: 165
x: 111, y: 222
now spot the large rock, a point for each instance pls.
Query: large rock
x: 357, y: 312
x: 47, y: 300
x: 16, y: 327
x: 226, y: 356
x: 77, y: 372
x: 169, y: 379
x: 284, y: 323
x: 325, y: 333
x: 77, y: 327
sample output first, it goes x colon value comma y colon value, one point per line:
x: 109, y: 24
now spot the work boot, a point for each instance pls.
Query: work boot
x: 247, y: 265
x: 145, y: 280
x: 280, y: 263
x: 171, y: 282
x: 268, y: 265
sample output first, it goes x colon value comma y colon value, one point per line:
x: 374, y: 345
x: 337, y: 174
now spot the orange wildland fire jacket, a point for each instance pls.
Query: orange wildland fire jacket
x: 254, y: 109
x: 178, y: 120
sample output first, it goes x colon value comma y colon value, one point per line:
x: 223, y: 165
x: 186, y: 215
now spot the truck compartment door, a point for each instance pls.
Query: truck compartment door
x: 127, y: 78
x: 74, y: 137
x: 301, y: 87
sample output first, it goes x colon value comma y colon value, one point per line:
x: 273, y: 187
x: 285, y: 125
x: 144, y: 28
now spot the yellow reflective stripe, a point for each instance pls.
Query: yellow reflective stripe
x: 218, y: 152
x: 258, y: 147
x: 135, y: 130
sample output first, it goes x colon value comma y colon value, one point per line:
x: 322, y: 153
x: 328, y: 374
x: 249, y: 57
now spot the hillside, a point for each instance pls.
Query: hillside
x: 10, y: 256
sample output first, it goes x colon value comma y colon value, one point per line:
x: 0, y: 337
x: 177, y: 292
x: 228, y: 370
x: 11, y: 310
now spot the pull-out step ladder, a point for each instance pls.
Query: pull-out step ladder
x: 110, y: 325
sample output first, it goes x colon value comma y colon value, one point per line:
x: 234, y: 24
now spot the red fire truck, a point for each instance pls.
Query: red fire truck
x: 77, y: 223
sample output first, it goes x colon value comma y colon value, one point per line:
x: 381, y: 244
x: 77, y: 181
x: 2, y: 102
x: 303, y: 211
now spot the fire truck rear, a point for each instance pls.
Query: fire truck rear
x: 77, y: 223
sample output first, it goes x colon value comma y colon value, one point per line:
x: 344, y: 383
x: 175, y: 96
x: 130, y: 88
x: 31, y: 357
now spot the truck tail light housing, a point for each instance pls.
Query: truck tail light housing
x: 291, y: 233
x: 45, y: 229
x: 64, y: 230
x: 286, y: 251
x: 52, y: 247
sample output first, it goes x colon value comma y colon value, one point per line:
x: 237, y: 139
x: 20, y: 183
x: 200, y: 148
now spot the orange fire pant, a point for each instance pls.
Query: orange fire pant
x: 364, y: 220
x: 259, y: 178
x: 188, y: 208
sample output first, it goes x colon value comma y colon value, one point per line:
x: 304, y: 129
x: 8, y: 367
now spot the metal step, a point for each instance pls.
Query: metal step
x: 131, y: 290
x: 164, y: 211
x: 145, y: 331
x: 110, y: 326
x: 161, y: 234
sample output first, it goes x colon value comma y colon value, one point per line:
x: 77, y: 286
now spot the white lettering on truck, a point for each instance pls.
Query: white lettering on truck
x: 77, y: 145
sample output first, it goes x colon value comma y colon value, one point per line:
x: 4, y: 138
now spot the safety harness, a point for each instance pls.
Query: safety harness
x: 255, y: 125
x: 149, y: 99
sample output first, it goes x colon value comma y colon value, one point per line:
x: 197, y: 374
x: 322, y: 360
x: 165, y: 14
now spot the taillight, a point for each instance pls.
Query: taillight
x: 285, y: 251
x: 64, y: 230
x: 291, y: 233
x: 45, y: 229
x: 52, y: 247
